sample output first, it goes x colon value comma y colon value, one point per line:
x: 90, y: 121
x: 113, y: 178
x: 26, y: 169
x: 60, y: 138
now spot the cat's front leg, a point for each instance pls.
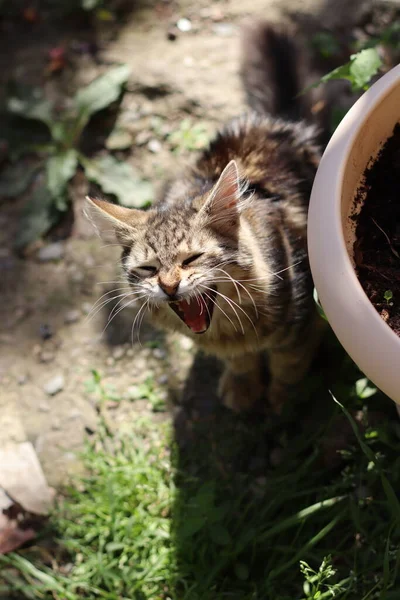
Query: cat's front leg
x: 289, y: 364
x: 241, y: 383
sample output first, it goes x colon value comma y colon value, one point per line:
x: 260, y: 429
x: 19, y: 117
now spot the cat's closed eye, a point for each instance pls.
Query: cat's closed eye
x: 147, y: 268
x: 191, y: 259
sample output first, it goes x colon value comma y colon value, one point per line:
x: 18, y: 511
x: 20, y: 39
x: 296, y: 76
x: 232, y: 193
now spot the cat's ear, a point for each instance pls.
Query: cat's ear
x: 112, y: 222
x: 222, y: 205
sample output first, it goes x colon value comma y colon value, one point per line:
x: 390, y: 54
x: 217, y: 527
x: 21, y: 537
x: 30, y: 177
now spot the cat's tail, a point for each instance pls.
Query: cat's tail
x: 272, y: 71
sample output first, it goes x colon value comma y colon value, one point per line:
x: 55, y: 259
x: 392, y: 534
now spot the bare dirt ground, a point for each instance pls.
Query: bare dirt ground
x: 49, y: 345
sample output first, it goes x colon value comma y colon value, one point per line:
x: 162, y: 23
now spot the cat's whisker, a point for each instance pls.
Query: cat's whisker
x: 226, y: 280
x: 136, y: 298
x: 220, y: 308
x: 96, y: 308
x: 230, y: 302
x: 118, y: 311
x: 136, y: 319
x: 235, y: 281
x: 99, y: 303
x: 141, y: 320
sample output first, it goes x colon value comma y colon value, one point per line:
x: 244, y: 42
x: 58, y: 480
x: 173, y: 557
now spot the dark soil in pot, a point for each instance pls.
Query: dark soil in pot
x: 377, y: 249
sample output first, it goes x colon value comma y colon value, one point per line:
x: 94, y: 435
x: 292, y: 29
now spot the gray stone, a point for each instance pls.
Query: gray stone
x: 46, y: 356
x: 224, y: 29
x: 22, y: 379
x: 142, y: 138
x: 54, y: 385
x: 86, y: 307
x: 77, y: 276
x: 159, y: 353
x: 44, y: 407
x: 187, y: 343
x: 184, y: 25
x: 53, y: 251
x: 72, y: 316
x: 154, y: 146
x: 119, y: 353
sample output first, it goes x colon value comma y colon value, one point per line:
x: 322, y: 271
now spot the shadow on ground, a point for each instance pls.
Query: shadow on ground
x: 248, y: 483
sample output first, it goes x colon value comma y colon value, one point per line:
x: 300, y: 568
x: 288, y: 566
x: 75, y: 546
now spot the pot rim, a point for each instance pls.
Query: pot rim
x: 335, y: 158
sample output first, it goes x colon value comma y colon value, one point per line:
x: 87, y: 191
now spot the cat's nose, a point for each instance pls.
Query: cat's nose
x: 169, y: 287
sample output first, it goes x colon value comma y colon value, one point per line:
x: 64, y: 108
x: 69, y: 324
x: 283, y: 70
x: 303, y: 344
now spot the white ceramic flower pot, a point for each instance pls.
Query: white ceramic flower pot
x: 373, y: 346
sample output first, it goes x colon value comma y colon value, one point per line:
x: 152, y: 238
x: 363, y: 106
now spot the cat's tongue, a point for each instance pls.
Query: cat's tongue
x: 195, y: 313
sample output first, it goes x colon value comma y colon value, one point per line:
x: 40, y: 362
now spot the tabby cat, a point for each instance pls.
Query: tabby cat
x: 222, y: 257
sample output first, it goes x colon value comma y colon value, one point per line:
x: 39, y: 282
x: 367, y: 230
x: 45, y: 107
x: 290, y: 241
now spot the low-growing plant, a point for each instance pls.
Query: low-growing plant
x: 388, y: 295
x: 61, y: 156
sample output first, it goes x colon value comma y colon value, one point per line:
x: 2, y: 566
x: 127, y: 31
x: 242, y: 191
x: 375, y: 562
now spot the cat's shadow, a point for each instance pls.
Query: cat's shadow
x: 229, y: 467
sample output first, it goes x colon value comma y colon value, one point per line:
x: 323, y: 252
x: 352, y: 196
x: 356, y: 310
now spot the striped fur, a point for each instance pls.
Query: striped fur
x: 253, y: 254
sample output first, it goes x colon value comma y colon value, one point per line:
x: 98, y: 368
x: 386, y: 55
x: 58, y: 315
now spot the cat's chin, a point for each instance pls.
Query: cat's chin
x: 196, y: 312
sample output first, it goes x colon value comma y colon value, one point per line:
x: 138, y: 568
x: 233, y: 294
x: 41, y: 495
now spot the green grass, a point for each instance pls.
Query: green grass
x: 210, y: 518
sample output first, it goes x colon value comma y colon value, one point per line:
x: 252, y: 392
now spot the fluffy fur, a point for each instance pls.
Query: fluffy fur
x: 232, y: 230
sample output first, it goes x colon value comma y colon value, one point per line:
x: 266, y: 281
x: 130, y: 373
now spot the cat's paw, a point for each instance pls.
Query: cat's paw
x: 238, y: 392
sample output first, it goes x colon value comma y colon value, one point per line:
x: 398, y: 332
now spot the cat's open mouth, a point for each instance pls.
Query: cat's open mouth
x: 197, y: 312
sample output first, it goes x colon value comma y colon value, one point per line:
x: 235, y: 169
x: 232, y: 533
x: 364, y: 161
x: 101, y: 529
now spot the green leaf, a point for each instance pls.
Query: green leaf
x: 191, y: 526
x: 60, y: 168
x: 359, y: 70
x: 90, y: 4
x: 388, y: 295
x: 363, y: 66
x: 16, y: 179
x: 118, y: 178
x: 220, y: 535
x: 37, y: 217
x: 242, y: 571
x: 318, y: 303
x: 31, y: 107
x: 101, y: 92
x: 363, y: 389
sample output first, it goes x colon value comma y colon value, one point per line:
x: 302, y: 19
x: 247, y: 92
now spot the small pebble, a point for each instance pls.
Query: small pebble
x: 140, y: 364
x: 224, y: 29
x: 72, y: 316
x: 50, y: 252
x: 22, y: 379
x: 133, y: 392
x: 118, y: 353
x: 77, y: 276
x: 69, y: 456
x: 154, y: 146
x: 184, y: 25
x: 44, y: 407
x: 188, y: 61
x: 46, y: 356
x: 159, y: 353
x: 142, y: 138
x: 75, y: 414
x: 162, y: 380
x: 86, y: 307
x: 54, y: 385
x: 187, y: 343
